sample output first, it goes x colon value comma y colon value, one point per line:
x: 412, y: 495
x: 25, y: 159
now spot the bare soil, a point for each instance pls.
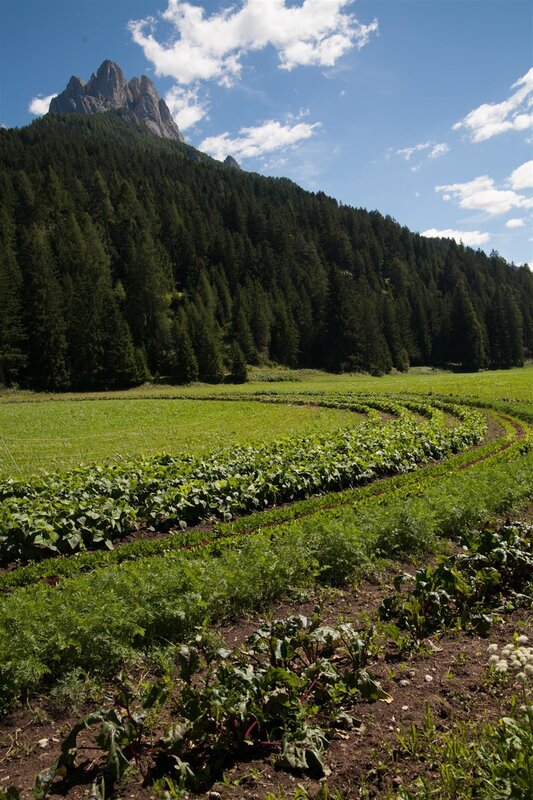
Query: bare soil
x: 448, y: 676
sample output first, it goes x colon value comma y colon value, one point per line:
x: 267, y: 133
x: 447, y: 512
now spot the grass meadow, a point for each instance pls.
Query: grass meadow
x: 42, y: 432
x: 50, y: 435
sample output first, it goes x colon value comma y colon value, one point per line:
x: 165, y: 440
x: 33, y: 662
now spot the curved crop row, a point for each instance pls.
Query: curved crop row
x: 90, y: 507
x: 98, y: 620
x: 505, y: 447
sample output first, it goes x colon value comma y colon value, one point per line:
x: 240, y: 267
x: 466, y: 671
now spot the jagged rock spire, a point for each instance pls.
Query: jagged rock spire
x: 108, y: 90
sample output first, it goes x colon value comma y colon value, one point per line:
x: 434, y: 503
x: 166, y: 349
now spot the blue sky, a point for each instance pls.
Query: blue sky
x: 421, y: 110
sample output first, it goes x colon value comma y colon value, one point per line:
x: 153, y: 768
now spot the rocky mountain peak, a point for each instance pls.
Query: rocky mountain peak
x: 109, y: 85
x: 229, y: 161
x: 108, y: 90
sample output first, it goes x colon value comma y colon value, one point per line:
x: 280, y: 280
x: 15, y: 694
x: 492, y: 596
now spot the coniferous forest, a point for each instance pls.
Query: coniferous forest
x: 125, y: 257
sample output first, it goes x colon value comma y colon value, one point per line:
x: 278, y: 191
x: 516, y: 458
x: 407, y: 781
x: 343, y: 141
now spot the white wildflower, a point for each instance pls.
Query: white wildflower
x: 515, y: 657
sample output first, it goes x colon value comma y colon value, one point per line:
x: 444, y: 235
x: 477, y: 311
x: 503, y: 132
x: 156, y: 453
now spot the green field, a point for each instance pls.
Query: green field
x: 513, y: 384
x: 49, y: 435
x: 336, y: 476
x: 47, y: 432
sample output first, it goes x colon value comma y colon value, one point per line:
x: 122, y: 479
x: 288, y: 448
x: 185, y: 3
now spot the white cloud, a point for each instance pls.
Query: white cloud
x: 210, y: 47
x: 185, y: 106
x: 39, y: 105
x: 468, y: 238
x: 439, y: 150
x: 435, y: 151
x: 522, y: 176
x: 253, y: 142
x: 407, y: 152
x: 481, y: 194
x: 302, y: 113
x: 490, y: 119
x: 516, y: 222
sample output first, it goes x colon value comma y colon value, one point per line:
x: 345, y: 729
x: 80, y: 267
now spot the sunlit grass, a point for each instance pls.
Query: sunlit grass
x: 46, y: 431
x: 50, y: 435
x: 516, y: 384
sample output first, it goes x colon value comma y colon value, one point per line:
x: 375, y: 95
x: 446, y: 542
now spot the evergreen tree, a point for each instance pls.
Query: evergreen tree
x: 342, y: 347
x: 12, y: 334
x: 260, y: 320
x: 147, y: 305
x: 375, y: 353
x: 285, y: 339
x: 120, y: 369
x: 101, y: 208
x: 239, y: 370
x: 468, y: 335
x: 243, y: 335
x: 111, y: 235
x: 186, y: 366
x: 207, y: 344
x: 505, y: 331
x: 393, y: 338
x: 87, y: 293
x: 47, y: 344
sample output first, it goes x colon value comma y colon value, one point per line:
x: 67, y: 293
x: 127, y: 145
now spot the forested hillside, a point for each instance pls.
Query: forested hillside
x: 123, y: 256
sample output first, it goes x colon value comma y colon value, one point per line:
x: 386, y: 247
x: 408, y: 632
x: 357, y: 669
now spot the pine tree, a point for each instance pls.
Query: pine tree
x: 185, y: 366
x: 285, y: 339
x: 47, y: 344
x: 317, y: 283
x: 147, y: 305
x: 505, y: 330
x: 342, y: 346
x: 87, y: 292
x: 468, y: 335
x: 260, y: 320
x: 239, y: 371
x: 101, y: 208
x: 207, y: 343
x: 12, y: 334
x: 243, y: 335
x: 374, y: 349
x: 392, y: 333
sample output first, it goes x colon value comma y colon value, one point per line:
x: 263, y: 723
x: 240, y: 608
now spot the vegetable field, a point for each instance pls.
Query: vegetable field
x: 38, y: 436
x: 119, y: 578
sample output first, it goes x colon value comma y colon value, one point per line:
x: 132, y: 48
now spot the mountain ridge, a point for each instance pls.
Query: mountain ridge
x: 108, y: 90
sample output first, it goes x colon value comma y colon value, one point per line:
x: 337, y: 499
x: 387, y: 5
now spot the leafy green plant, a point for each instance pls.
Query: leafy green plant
x: 118, y: 611
x: 494, y: 573
x: 288, y: 686
x: 91, y: 507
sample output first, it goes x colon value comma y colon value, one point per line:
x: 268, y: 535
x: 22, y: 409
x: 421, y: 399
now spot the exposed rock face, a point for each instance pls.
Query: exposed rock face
x: 229, y: 161
x: 108, y: 90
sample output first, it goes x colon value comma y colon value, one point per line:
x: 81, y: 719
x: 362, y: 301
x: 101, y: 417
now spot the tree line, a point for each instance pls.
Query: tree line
x: 124, y: 257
